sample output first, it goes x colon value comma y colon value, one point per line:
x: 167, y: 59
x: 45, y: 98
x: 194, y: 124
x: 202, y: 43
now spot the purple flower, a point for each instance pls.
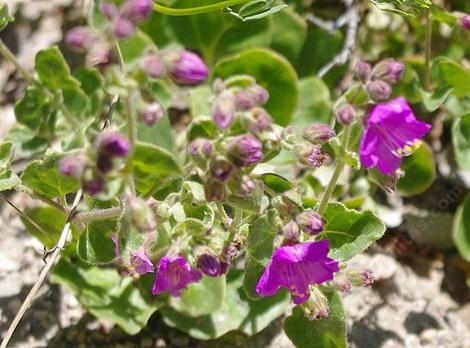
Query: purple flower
x: 80, y: 38
x: 200, y: 147
x: 259, y: 121
x: 392, y: 131
x: 188, y: 68
x: 114, y: 145
x: 310, y: 155
x: 297, y: 267
x: 345, y: 114
x: 388, y: 70
x: 174, y: 273
x: 151, y: 114
x: 109, y: 10
x: 94, y: 186
x: 153, y: 66
x: 465, y: 22
x: 137, y: 10
x: 104, y: 163
x: 223, y: 112
x: 123, y: 28
x: 318, y: 133
x: 250, y: 97
x: 99, y: 56
x: 141, y: 262
x: 246, y: 150
x: 310, y: 222
x: 72, y: 165
x: 209, y: 264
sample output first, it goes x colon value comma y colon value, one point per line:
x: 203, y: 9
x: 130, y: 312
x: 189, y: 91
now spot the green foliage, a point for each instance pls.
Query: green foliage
x: 8, y: 179
x: 328, y: 332
x: 33, y: 109
x: 350, y: 232
x: 272, y: 72
x: 420, y: 172
x: 50, y: 219
x: 461, y: 141
x: 236, y: 313
x: 106, y: 295
x: 461, y: 229
x: 5, y: 18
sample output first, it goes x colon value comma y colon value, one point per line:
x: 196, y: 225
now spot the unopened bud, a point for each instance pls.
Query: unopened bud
x: 99, y: 56
x: 317, y: 306
x: 109, y: 10
x: 186, y: 68
x: 221, y: 169
x: 345, y: 114
x: 200, y: 148
x: 291, y: 232
x: 140, y: 215
x: 209, y: 263
x: 93, y: 186
x: 141, y: 263
x: 342, y: 284
x: 318, y: 133
x: 362, y: 277
x: 223, y: 112
x: 72, y: 165
x: 214, y: 190
x: 309, y: 155
x: 104, y: 163
x: 114, y: 145
x: 465, y: 22
x: 151, y: 114
x: 258, y: 121
x: 250, y: 97
x: 388, y: 70
x: 153, y: 65
x: 363, y: 70
x: 80, y: 38
x: 246, y: 150
x: 310, y: 222
x: 241, y: 185
x: 137, y: 10
x: 379, y: 90
x: 123, y: 28
x: 218, y: 86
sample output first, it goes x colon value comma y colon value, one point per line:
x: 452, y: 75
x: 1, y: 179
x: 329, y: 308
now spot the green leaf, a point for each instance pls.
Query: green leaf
x: 350, y: 232
x: 461, y: 229
x: 160, y: 134
x: 76, y: 101
x: 52, y: 69
x: 5, y: 18
x: 106, y: 295
x: 202, y: 127
x: 152, y: 164
x: 277, y: 183
x: 94, y: 245
x: 33, y: 109
x: 256, y: 202
x: 461, y: 141
x: 328, y: 332
x: 195, y: 302
x: 42, y: 176
x: 314, y: 103
x: 259, y: 250
x: 199, y: 99
x: 272, y: 72
x: 8, y: 180
x: 50, y: 219
x: 454, y: 75
x: 237, y: 313
x: 420, y: 172
x: 432, y: 101
x: 27, y: 143
x: 133, y: 48
x: 7, y: 154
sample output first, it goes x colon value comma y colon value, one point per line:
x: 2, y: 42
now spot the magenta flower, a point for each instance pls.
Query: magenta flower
x: 113, y: 145
x: 223, y: 112
x: 297, y: 267
x: 188, y: 69
x: 392, y: 131
x: 246, y: 150
x: 174, y: 273
x: 80, y: 38
x: 141, y: 262
x: 123, y: 28
x: 465, y: 22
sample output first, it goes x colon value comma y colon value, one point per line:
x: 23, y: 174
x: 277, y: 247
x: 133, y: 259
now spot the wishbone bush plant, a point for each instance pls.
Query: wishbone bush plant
x: 229, y: 215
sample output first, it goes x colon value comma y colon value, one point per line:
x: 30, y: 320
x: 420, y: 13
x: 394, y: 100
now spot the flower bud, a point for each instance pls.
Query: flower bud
x: 214, y: 190
x: 209, y: 263
x: 379, y: 90
x: 241, y: 185
x: 465, y: 22
x: 221, y: 169
x: 80, y: 38
x: 200, y: 147
x: 246, y: 150
x: 218, y: 86
x: 123, y: 28
x: 140, y: 215
x: 72, y: 165
x: 363, y: 70
x: 258, y: 121
x: 342, y: 284
x: 137, y: 10
x: 309, y: 155
x: 388, y: 70
x: 291, y: 232
x: 232, y: 250
x: 318, y: 133
x: 362, y: 277
x: 151, y: 114
x: 93, y: 186
x: 345, y: 114
x: 153, y: 65
x: 250, y: 97
x: 99, y: 56
x: 223, y: 112
x: 104, y: 163
x: 310, y: 222
x: 141, y: 263
x: 114, y: 145
x: 109, y: 10
x: 317, y: 306
x: 187, y: 68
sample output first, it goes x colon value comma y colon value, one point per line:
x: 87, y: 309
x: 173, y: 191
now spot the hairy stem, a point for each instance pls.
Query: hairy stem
x: 99, y: 214
x: 196, y: 10
x: 339, y: 168
x: 427, y: 51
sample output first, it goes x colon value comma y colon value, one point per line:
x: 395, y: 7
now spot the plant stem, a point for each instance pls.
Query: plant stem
x: 35, y: 195
x: 339, y: 168
x: 427, y: 51
x: 132, y: 135
x: 234, y: 225
x: 99, y: 214
x: 196, y: 10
